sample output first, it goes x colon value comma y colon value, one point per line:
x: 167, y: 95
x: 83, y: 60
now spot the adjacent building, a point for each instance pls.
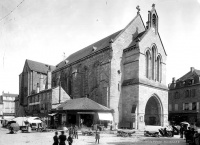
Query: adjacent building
x: 44, y: 102
x: 32, y: 80
x: 8, y: 110
x: 1, y: 107
x: 184, y: 98
x: 125, y: 71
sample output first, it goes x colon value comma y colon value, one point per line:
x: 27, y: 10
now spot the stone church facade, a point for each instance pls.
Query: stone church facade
x: 125, y: 71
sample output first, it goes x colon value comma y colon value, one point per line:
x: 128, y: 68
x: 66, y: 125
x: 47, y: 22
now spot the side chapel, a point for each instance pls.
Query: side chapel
x: 125, y: 71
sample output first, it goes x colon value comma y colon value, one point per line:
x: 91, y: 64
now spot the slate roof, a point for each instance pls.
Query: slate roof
x: 190, y: 75
x: 39, y: 67
x: 82, y: 104
x: 103, y: 43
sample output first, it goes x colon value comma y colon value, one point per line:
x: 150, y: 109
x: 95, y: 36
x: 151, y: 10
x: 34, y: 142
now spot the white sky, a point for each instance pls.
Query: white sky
x: 42, y: 30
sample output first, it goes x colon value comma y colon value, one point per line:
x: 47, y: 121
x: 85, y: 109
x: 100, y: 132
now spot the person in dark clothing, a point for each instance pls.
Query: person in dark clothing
x: 55, y: 138
x: 62, y: 138
x: 181, y: 132
x: 70, y: 139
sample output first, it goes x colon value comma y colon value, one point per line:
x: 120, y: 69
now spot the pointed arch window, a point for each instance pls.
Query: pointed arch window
x: 153, y: 62
x: 159, y: 69
x: 96, y: 74
x: 147, y: 64
x: 85, y: 81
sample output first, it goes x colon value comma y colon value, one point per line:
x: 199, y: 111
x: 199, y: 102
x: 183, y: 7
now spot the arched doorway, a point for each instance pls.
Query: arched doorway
x: 153, y: 111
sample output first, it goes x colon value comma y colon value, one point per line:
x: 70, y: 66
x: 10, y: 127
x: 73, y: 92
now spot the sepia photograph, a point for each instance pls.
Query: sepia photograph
x: 109, y: 72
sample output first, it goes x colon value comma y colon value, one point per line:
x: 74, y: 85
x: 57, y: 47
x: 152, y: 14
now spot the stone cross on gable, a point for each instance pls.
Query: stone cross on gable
x: 138, y: 8
x: 153, y: 5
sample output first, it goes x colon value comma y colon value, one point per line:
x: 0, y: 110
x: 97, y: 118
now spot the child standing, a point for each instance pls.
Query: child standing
x: 97, y: 136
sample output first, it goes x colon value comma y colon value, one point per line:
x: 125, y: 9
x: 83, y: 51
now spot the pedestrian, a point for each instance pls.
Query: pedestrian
x: 62, y: 138
x: 97, y: 136
x: 70, y: 139
x: 71, y: 130
x: 76, y: 131
x: 55, y: 138
x: 181, y: 131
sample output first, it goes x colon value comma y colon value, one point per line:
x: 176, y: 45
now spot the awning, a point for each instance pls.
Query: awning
x: 105, y: 116
x: 8, y: 117
x: 52, y: 114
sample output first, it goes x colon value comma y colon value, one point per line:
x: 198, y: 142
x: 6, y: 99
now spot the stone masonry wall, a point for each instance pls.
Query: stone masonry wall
x: 122, y: 42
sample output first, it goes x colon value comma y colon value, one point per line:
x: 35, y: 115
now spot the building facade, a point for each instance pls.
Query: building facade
x: 41, y: 104
x: 8, y: 110
x: 125, y: 71
x: 184, y: 98
x: 1, y: 107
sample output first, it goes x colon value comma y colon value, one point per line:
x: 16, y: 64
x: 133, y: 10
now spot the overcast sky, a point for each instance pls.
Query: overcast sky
x: 43, y: 30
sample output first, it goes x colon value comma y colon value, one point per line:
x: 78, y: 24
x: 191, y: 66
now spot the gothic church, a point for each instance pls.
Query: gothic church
x: 125, y: 71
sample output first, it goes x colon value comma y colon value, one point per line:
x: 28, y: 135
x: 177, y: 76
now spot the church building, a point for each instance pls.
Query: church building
x: 125, y: 72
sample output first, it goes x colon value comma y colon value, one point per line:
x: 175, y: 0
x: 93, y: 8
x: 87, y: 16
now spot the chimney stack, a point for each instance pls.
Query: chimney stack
x: 41, y: 82
x: 49, y: 78
x: 173, y: 80
x: 38, y: 88
x: 191, y: 69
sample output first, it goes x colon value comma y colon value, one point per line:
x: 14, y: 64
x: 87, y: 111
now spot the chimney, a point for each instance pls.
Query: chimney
x: 191, y: 69
x: 38, y: 88
x: 173, y: 80
x: 49, y: 78
x: 41, y: 82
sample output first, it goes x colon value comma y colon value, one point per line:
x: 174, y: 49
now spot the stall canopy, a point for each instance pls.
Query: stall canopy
x: 105, y: 116
x: 34, y: 120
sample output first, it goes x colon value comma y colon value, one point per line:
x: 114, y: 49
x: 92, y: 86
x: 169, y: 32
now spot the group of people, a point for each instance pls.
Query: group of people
x: 73, y: 130
x: 62, y: 138
x: 73, y: 133
x: 188, y: 133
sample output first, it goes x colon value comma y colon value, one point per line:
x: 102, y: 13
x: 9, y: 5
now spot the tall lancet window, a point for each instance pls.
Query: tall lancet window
x: 85, y: 81
x: 159, y: 69
x: 147, y: 64
x: 153, y: 62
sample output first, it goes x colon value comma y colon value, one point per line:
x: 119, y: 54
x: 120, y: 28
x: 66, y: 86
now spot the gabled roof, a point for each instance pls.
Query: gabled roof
x: 82, y: 104
x: 190, y: 75
x: 103, y: 43
x: 39, y: 67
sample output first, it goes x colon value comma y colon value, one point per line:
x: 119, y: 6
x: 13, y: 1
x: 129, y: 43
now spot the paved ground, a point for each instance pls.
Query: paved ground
x: 46, y: 138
